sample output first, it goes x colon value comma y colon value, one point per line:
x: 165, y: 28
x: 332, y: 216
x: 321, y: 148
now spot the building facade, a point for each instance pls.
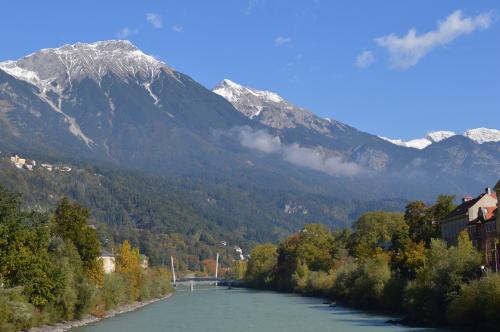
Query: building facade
x: 108, y: 262
x: 464, y: 214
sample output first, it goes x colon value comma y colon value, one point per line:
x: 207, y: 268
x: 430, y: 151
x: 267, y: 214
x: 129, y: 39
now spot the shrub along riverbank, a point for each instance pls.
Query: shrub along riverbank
x: 389, y: 262
x: 50, y: 270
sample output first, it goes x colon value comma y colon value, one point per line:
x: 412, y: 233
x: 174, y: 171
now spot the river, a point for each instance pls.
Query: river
x: 241, y: 310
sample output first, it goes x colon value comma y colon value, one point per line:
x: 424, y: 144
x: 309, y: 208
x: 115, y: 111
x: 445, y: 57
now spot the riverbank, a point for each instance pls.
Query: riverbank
x: 90, y: 319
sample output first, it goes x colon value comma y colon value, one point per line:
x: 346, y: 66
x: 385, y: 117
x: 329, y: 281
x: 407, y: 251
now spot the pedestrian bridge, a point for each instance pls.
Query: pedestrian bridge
x: 199, y: 279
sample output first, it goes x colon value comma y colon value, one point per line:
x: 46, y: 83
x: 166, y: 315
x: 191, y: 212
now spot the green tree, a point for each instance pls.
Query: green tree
x: 410, y: 258
x: 443, y: 206
x: 70, y: 221
x: 261, y: 266
x: 444, y: 272
x: 24, y: 260
x: 370, y: 282
x: 416, y: 218
x: 315, y: 246
x: 476, y: 305
x: 375, y: 230
x: 423, y: 221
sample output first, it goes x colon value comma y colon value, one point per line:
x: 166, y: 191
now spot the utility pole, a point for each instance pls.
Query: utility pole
x: 173, y: 269
x: 216, y: 268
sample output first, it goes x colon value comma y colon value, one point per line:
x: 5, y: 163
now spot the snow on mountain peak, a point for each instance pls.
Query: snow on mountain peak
x: 54, y: 71
x: 418, y: 143
x: 70, y: 63
x: 478, y: 135
x: 483, y: 135
x: 233, y: 92
x: 437, y: 136
x: 271, y: 109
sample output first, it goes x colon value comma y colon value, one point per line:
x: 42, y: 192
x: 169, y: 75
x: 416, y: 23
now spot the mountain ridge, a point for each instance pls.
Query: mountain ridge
x: 237, y: 94
x: 152, y: 118
x: 478, y: 135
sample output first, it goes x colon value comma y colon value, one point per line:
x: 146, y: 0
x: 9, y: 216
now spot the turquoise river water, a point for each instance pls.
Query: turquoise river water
x: 241, y: 310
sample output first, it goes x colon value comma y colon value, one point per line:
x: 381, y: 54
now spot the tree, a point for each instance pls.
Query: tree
x: 443, y: 206
x: 423, y: 221
x: 444, y: 273
x: 476, y: 305
x: 415, y: 216
x: 372, y: 277
x: 24, y: 259
x: 128, y: 264
x: 70, y: 223
x: 261, y: 266
x: 376, y: 230
x: 409, y: 260
x: 237, y: 271
x: 315, y: 246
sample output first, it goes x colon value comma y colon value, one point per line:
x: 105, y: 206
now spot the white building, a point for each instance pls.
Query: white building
x: 108, y: 261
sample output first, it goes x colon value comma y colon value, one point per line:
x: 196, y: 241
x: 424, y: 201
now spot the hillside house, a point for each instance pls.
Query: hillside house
x: 144, y: 262
x: 466, y: 213
x: 16, y: 160
x: 108, y: 261
x: 48, y: 167
x: 22, y: 162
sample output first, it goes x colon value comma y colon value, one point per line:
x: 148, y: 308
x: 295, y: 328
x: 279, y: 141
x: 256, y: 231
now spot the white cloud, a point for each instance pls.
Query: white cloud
x: 281, y: 41
x: 177, y: 28
x: 258, y: 140
x: 127, y: 32
x: 365, y: 59
x: 313, y: 159
x: 155, y: 20
x: 406, y: 51
x: 262, y: 141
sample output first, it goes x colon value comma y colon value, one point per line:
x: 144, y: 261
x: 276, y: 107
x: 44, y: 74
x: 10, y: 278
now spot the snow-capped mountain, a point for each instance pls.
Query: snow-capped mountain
x: 108, y: 95
x: 421, y: 143
x: 483, y: 135
x: 109, y: 102
x: 54, y: 69
x: 478, y: 135
x: 271, y: 109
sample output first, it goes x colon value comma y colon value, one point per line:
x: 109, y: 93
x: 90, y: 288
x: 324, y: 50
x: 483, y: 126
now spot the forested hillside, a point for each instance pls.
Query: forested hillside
x: 187, y: 217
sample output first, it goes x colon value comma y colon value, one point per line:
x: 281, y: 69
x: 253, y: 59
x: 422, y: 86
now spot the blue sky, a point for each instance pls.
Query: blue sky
x: 354, y: 61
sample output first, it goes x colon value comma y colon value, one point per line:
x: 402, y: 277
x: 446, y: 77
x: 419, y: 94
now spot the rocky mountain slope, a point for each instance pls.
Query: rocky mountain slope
x: 473, y: 157
x: 109, y: 103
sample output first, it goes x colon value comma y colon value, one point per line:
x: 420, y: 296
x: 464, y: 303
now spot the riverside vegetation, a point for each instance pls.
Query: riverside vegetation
x: 390, y: 262
x: 50, y: 268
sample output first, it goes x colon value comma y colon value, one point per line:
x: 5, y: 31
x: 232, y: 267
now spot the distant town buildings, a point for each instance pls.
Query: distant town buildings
x: 22, y: 162
x: 30, y: 164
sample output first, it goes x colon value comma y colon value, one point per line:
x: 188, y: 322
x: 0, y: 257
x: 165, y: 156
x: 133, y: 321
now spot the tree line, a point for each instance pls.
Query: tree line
x: 389, y: 261
x: 50, y: 268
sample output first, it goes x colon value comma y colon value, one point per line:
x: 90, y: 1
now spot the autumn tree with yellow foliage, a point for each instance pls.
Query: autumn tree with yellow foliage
x: 128, y: 264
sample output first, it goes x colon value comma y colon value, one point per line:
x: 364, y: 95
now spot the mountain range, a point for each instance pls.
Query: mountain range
x: 478, y: 135
x: 109, y: 104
